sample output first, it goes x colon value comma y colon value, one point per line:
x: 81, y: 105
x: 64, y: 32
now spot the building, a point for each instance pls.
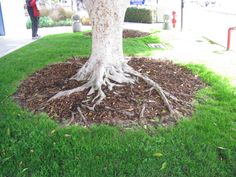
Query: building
x: 2, y: 27
x: 12, y: 17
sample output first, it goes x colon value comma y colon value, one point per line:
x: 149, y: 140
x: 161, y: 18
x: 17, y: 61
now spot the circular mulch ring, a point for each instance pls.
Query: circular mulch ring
x: 128, y: 33
x: 122, y: 106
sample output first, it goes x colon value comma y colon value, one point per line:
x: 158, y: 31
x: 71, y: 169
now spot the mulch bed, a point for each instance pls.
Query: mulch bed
x: 128, y: 33
x: 122, y: 106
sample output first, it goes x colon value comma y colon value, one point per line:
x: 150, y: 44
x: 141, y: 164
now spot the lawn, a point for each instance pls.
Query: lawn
x: 34, y: 145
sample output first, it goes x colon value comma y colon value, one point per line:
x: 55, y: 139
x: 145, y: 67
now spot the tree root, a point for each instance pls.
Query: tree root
x: 82, y: 116
x: 126, y: 113
x: 158, y: 88
x: 115, y: 76
x: 72, y: 118
x: 141, y: 115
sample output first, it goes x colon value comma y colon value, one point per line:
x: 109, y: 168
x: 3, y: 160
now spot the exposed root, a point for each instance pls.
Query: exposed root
x: 82, y: 116
x: 141, y: 115
x: 170, y: 96
x: 112, y: 76
x: 72, y: 118
x: 100, y: 96
x: 69, y: 92
x: 126, y: 113
x: 154, y: 85
x: 165, y: 92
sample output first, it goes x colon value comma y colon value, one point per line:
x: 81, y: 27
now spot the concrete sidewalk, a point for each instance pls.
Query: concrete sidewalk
x: 189, y: 47
x: 11, y: 43
x: 185, y: 47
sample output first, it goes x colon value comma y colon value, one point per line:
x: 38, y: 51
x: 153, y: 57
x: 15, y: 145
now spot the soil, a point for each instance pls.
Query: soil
x: 128, y: 33
x: 127, y: 105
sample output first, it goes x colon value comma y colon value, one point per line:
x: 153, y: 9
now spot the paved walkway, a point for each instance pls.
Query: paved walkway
x: 185, y: 47
x: 190, y: 48
x: 13, y: 42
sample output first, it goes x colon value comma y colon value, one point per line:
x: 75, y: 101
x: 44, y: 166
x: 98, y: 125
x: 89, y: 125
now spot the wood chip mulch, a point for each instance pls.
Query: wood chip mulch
x: 122, y: 106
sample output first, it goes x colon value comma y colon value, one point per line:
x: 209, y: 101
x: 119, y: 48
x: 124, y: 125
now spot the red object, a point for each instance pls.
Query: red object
x: 35, y: 9
x: 173, y: 19
x: 229, y: 36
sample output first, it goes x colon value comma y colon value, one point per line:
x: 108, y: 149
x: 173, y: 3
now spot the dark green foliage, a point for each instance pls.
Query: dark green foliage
x: 141, y: 15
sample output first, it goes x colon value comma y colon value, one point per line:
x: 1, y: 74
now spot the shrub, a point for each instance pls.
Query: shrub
x: 48, y: 22
x: 28, y: 24
x: 45, y: 22
x: 58, y: 14
x: 84, y: 17
x: 68, y: 13
x: 141, y: 15
x: 66, y: 22
x: 85, y: 21
x: 44, y: 12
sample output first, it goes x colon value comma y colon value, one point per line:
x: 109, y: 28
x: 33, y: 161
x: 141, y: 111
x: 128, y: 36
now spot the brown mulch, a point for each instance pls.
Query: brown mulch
x: 123, y: 105
x: 128, y: 33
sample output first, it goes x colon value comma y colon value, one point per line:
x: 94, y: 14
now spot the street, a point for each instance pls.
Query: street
x: 212, y: 23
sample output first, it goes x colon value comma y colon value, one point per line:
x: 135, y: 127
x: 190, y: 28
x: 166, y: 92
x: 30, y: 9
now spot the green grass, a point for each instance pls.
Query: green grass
x: 138, y: 46
x: 34, y: 145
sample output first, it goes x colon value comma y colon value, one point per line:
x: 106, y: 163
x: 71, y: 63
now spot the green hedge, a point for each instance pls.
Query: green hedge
x: 48, y: 22
x: 141, y: 15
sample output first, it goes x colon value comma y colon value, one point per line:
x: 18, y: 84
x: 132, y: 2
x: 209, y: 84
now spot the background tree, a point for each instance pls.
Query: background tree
x: 107, y: 65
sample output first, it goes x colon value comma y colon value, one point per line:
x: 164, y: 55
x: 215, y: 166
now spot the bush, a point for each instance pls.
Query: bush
x: 48, y: 22
x: 141, y: 15
x: 68, y: 13
x: 85, y: 21
x: 44, y: 12
x: 45, y: 22
x: 66, y: 22
x: 57, y: 13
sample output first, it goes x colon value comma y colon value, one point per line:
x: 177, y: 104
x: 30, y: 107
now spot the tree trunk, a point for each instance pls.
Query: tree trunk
x: 107, y: 65
x: 107, y: 18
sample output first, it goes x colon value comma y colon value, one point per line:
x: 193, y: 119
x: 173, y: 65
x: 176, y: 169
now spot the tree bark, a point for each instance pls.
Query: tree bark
x: 107, y: 65
x: 107, y: 18
x: 106, y: 61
